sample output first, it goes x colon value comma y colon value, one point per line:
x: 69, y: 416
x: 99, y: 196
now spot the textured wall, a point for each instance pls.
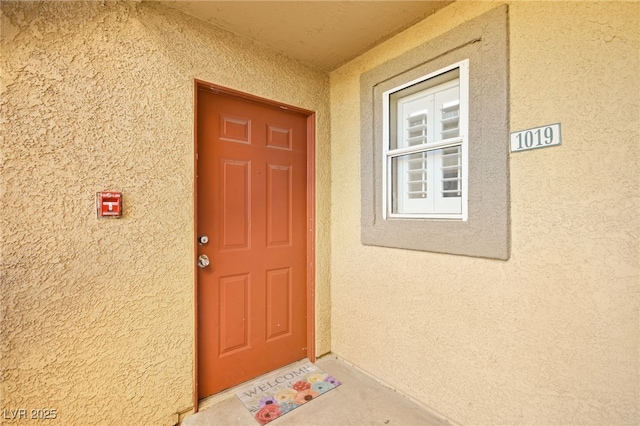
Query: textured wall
x: 97, y: 315
x: 550, y: 336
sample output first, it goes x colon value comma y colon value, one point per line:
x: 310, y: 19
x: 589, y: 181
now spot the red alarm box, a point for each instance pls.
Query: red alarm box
x: 109, y: 204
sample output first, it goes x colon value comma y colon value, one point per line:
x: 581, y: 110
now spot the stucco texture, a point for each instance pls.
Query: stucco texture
x: 550, y: 336
x: 97, y: 316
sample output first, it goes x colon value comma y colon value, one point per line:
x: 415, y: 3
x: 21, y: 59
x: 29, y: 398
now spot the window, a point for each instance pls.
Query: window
x: 425, y: 146
x: 434, y: 138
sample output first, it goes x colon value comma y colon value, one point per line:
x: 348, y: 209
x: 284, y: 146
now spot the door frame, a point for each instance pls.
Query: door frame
x: 311, y: 204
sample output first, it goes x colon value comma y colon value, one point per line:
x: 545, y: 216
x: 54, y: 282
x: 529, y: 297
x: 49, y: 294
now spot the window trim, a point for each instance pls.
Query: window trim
x: 462, y: 140
x: 484, y: 40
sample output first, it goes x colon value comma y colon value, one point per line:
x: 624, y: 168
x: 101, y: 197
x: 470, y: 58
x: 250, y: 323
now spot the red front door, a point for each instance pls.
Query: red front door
x: 252, y: 209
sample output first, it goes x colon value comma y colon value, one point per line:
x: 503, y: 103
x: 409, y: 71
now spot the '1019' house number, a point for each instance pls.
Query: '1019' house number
x: 539, y: 137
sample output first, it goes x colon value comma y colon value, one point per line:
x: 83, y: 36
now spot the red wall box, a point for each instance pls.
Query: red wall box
x: 109, y: 204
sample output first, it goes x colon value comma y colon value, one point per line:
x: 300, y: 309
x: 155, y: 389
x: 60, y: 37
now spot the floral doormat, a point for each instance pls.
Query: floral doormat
x: 285, y: 390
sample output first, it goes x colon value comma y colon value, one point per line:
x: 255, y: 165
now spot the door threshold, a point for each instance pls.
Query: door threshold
x: 211, y: 400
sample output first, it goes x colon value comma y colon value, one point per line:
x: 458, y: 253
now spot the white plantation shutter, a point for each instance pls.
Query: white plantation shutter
x: 448, y: 197
x: 424, y: 163
x: 415, y: 130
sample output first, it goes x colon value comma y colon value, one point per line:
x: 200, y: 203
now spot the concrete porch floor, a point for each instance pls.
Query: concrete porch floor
x: 360, y: 400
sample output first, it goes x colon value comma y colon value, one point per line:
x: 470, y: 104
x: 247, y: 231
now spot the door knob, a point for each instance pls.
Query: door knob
x: 203, y: 261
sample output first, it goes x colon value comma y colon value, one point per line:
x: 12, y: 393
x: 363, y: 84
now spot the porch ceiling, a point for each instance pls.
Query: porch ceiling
x: 322, y: 34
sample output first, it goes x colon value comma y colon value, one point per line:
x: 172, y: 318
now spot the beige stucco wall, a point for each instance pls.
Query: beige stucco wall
x: 550, y: 336
x: 97, y: 315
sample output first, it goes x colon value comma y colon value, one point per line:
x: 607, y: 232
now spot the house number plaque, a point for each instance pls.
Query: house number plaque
x: 539, y: 137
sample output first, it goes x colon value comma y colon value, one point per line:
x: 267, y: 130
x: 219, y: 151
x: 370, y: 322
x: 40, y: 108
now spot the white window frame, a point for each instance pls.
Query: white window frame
x: 462, y: 139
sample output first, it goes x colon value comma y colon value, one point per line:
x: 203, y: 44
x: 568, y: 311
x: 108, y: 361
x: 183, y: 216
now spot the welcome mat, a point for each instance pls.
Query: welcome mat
x: 284, y: 390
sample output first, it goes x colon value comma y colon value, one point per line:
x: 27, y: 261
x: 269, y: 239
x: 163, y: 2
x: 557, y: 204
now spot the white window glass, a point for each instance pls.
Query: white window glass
x: 426, y: 145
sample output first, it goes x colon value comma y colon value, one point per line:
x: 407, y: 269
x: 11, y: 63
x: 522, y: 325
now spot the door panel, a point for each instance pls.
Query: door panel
x: 234, y: 204
x: 252, y: 204
x: 234, y: 309
x: 278, y: 303
x: 278, y: 205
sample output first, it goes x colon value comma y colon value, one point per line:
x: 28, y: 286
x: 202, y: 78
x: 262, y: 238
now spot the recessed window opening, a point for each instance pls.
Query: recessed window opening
x: 425, y: 144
